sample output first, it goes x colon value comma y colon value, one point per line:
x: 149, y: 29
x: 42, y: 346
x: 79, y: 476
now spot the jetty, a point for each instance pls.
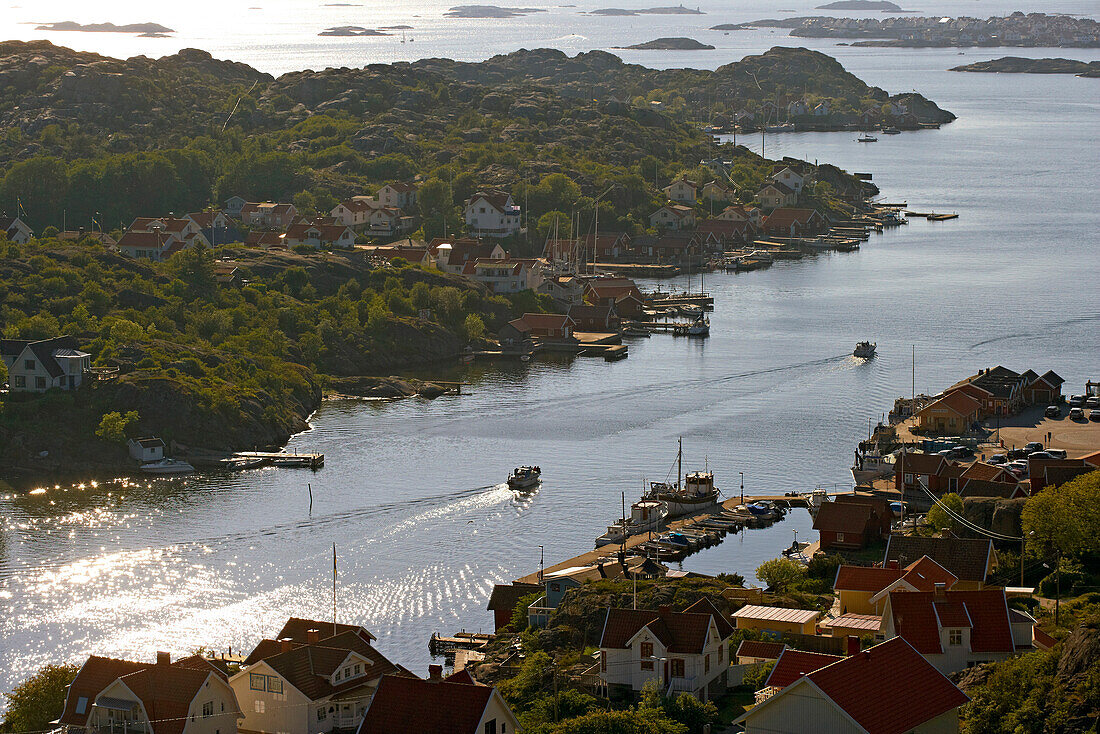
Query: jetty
x: 446, y: 646
x: 283, y: 459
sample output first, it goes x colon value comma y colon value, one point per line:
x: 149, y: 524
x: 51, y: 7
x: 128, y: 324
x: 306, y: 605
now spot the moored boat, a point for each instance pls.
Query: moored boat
x: 867, y: 138
x: 698, y: 492
x: 167, y: 466
x: 645, y: 515
x: 524, y: 477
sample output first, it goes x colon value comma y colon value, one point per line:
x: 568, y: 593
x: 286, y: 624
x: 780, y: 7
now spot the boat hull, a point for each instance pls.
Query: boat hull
x: 678, y: 505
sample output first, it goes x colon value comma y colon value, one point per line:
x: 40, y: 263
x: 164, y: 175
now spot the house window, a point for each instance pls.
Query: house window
x: 356, y: 670
x: 840, y: 537
x: 706, y: 663
x: 677, y: 667
x: 29, y: 364
x: 20, y: 381
x: 955, y: 638
x: 208, y: 709
x: 603, y: 663
x: 274, y: 685
x: 321, y: 714
x: 347, y: 672
x: 82, y: 705
x: 259, y: 704
x: 647, y: 654
x: 40, y: 382
x: 491, y: 726
x: 257, y: 682
x: 908, y: 478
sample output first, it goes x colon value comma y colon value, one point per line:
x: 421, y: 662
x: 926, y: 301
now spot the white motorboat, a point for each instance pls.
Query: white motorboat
x: 167, y: 466
x: 865, y: 138
x: 872, y: 465
x: 524, y: 477
x: 865, y: 350
x: 645, y: 515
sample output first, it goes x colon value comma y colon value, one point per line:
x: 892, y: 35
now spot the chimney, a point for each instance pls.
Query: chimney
x: 940, y: 592
x: 286, y: 644
x: 853, y: 645
x: 164, y: 658
x: 313, y: 636
x: 435, y: 672
x: 892, y: 564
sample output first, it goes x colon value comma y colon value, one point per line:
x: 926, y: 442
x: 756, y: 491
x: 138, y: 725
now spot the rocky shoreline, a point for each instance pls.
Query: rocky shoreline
x: 1018, y: 65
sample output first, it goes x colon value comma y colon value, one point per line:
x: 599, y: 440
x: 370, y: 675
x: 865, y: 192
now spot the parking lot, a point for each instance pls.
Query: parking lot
x: 1077, y: 437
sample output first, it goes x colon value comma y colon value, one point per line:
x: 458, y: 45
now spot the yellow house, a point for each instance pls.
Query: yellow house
x: 776, y: 619
x: 954, y: 413
x: 863, y: 589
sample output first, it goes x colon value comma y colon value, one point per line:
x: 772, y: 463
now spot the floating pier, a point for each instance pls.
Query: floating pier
x: 279, y: 458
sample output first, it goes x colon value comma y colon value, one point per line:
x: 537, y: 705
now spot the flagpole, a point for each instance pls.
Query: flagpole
x: 333, y: 589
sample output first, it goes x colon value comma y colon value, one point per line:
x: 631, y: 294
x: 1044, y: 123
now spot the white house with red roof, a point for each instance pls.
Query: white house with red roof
x: 673, y: 216
x: 886, y: 689
x: 775, y: 195
x: 682, y: 190
x: 321, y: 232
x: 398, y: 195
x: 452, y: 254
x: 743, y: 213
x: 681, y: 651
x: 955, y: 629
x: 354, y: 212
x: 492, y: 214
x: 790, y: 178
x: 452, y: 705
x: 508, y: 275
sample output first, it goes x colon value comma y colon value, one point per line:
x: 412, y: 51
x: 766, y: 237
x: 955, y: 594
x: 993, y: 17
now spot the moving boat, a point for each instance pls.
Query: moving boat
x: 167, y: 466
x: 866, y: 138
x: 524, y: 477
x: 645, y: 515
x: 698, y: 492
x: 866, y: 350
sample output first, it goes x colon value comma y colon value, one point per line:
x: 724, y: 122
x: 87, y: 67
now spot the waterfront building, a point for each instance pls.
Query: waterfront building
x: 451, y: 705
x: 850, y: 525
x: 503, y: 601
x: 854, y: 694
x: 953, y: 414
x: 673, y: 216
x: 681, y: 651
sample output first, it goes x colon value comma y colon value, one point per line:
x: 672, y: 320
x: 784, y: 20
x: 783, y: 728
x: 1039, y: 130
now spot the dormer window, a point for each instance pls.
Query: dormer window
x: 954, y: 638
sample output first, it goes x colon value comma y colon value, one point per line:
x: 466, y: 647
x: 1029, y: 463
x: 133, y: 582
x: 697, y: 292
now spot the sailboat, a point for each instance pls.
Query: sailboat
x: 697, y: 493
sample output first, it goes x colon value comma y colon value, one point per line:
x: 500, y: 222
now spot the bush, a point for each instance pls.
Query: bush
x: 473, y: 327
x: 756, y: 675
x: 112, y: 426
x: 781, y: 574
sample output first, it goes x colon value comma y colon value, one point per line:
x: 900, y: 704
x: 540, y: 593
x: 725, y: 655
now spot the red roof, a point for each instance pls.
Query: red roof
x: 867, y: 686
x: 756, y: 649
x: 957, y: 402
x: 924, y: 574
x: 918, y: 617
x: 681, y: 632
x: 166, y: 692
x: 844, y: 517
x: 865, y: 578
x: 547, y: 321
x: 402, y: 704
x: 984, y: 472
x: 96, y: 674
x: 793, y: 664
x: 920, y: 463
x: 785, y: 217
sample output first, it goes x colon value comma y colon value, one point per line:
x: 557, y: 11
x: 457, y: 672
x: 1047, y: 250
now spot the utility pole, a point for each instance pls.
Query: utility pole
x: 742, y: 487
x: 542, y: 558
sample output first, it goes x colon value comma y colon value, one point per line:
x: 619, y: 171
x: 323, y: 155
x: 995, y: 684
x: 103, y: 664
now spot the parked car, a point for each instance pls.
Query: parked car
x: 1076, y: 414
x: 1032, y: 446
x: 1095, y: 416
x: 1019, y: 468
x: 1042, y: 455
x: 1017, y: 454
x: 1092, y: 402
x: 1057, y: 453
x: 998, y: 459
x: 1052, y: 411
x: 1076, y: 401
x: 962, y: 452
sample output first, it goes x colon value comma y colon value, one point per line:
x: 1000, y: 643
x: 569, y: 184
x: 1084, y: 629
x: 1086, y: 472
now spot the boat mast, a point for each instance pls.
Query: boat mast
x: 680, y: 463
x: 623, y: 547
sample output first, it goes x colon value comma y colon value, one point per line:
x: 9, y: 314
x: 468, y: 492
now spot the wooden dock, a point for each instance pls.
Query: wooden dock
x: 441, y: 645
x: 279, y: 458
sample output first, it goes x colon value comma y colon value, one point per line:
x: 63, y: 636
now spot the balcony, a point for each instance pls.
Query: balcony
x: 681, y: 685
x: 538, y: 614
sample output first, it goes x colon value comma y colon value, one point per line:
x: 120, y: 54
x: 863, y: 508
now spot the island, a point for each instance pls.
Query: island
x: 154, y: 30
x: 1017, y: 29
x: 489, y: 11
x: 1018, y: 65
x: 352, y: 31
x: 670, y: 44
x: 672, y: 10
x: 884, y: 6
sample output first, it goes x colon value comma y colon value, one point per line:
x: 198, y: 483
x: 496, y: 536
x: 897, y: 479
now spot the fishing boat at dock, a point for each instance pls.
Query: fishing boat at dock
x: 167, y: 466
x: 697, y: 493
x: 645, y: 515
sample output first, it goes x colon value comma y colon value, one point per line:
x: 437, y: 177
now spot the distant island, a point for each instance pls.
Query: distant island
x: 881, y: 5
x: 670, y: 44
x: 146, y: 29
x: 489, y: 11
x: 397, y: 27
x: 674, y: 10
x: 1018, y: 65
x: 351, y: 31
x: 1028, y: 31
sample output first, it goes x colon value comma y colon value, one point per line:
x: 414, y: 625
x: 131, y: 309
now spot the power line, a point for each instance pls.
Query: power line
x: 966, y: 523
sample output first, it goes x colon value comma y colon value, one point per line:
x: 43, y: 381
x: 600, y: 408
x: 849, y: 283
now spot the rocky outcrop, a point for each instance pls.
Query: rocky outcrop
x: 1018, y: 65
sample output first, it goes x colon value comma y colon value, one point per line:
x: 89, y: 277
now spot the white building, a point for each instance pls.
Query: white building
x: 16, y: 230
x: 682, y: 190
x: 146, y: 449
x: 400, y: 195
x: 682, y: 651
x: 38, y: 366
x: 790, y: 178
x: 492, y: 215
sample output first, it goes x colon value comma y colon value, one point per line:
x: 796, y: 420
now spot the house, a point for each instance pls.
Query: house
x: 501, y: 276
x: 821, y: 109
x: 492, y: 214
x: 743, y: 213
x: 452, y: 705
x: 721, y: 234
x: 776, y: 620
x: 268, y: 215
x: 503, y: 601
x: 970, y: 561
x: 181, y: 227
x: 234, y: 205
x: 791, y: 222
x: 793, y: 664
x: 953, y: 414
x: 881, y: 506
x: 673, y: 216
x: 354, y: 213
x: 515, y: 336
x: 599, y: 319
x: 751, y: 652
x: 15, y: 230
x: 682, y: 651
x: 321, y: 683
x: 265, y: 239
x: 190, y: 696
x: 216, y: 227
x: 719, y: 191
x: 157, y: 246
x: 852, y: 625
x: 955, y: 629
x: 1043, y: 389
x: 682, y: 190
x: 914, y: 473
x: 549, y: 326
x: 451, y: 255
x: 861, y: 590
x: 321, y: 232
x: 387, y: 221
x: 1005, y: 388
x: 798, y: 108
x: 400, y: 195
x: 848, y: 525
x: 859, y: 695
x: 557, y: 583
x: 775, y: 195
x: 608, y: 246
x: 621, y: 294
x: 566, y: 290
x: 1044, y: 473
x: 38, y: 366
x: 146, y: 449
x: 675, y: 246
x: 790, y: 178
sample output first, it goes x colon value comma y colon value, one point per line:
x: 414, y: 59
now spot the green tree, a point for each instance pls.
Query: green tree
x: 112, y: 426
x: 473, y: 327
x: 781, y: 574
x: 37, y: 701
x: 195, y: 267
x: 434, y: 197
x: 1064, y: 519
x: 639, y: 721
x: 939, y: 518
